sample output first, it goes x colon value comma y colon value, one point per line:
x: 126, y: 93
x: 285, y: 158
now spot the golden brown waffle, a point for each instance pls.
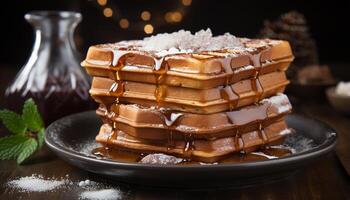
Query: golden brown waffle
x: 199, y: 150
x: 194, y: 70
x: 204, y: 101
x: 160, y: 124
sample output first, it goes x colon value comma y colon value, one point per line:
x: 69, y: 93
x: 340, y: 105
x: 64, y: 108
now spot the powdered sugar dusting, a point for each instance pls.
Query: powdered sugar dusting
x: 87, y: 147
x: 299, y: 143
x: 185, y: 128
x: 244, y: 68
x: 172, y: 51
x: 185, y: 41
x: 280, y: 101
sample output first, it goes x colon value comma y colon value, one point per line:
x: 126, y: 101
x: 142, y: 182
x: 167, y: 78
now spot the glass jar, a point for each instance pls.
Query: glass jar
x: 52, y: 75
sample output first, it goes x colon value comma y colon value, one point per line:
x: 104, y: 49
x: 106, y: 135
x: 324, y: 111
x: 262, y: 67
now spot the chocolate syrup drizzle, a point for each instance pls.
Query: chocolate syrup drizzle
x: 170, y: 122
x: 231, y: 96
x: 117, y: 89
x: 160, y: 70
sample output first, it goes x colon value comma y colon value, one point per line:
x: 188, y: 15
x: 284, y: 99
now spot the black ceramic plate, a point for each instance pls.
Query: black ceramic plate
x: 72, y: 136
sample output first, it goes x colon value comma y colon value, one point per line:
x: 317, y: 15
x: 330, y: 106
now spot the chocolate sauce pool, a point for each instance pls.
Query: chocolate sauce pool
x: 133, y: 157
x: 295, y: 143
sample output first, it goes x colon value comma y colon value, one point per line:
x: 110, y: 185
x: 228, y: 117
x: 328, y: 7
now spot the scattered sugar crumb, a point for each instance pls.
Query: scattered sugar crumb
x: 106, y: 194
x: 36, y: 183
x: 161, y: 159
x: 186, y: 128
x: 87, y: 183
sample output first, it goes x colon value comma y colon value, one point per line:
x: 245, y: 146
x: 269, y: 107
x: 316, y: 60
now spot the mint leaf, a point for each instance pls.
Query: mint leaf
x: 41, y: 137
x: 29, y: 132
x: 13, y: 121
x: 31, y: 116
x: 11, y: 146
x: 30, y: 146
x: 11, y: 153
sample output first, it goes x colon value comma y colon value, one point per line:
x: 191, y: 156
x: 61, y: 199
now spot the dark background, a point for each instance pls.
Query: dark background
x: 328, y: 20
x: 329, y: 24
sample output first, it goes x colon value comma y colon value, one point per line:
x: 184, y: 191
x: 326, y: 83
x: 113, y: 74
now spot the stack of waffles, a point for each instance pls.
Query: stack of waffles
x: 195, y: 96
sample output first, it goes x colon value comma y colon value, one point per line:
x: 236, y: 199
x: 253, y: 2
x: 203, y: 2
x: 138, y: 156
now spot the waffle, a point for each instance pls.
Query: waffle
x: 202, y: 101
x: 201, y: 70
x: 199, y: 150
x: 157, y: 124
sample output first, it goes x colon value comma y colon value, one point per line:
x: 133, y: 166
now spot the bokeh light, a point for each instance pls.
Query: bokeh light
x: 107, y: 12
x: 148, y: 29
x: 124, y: 23
x: 145, y: 15
x: 102, y: 2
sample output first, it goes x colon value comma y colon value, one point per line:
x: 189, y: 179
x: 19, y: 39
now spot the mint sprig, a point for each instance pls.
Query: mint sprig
x: 28, y: 132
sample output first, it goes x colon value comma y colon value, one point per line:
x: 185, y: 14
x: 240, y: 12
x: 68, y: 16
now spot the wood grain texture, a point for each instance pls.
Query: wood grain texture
x: 325, y: 179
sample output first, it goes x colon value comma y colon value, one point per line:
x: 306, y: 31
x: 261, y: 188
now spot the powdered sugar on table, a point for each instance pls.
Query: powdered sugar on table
x: 106, y: 194
x: 36, y: 183
x: 90, y: 189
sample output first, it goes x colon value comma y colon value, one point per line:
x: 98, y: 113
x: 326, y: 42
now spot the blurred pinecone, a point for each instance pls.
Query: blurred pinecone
x: 292, y: 26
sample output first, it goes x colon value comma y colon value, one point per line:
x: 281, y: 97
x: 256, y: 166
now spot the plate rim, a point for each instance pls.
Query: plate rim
x: 322, y: 149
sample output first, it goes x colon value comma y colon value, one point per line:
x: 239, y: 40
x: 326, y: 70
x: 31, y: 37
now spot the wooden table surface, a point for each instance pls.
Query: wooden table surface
x: 327, y: 178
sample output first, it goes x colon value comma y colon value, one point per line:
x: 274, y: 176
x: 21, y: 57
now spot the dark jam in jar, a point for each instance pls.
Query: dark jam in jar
x: 52, y: 75
x: 54, y: 100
